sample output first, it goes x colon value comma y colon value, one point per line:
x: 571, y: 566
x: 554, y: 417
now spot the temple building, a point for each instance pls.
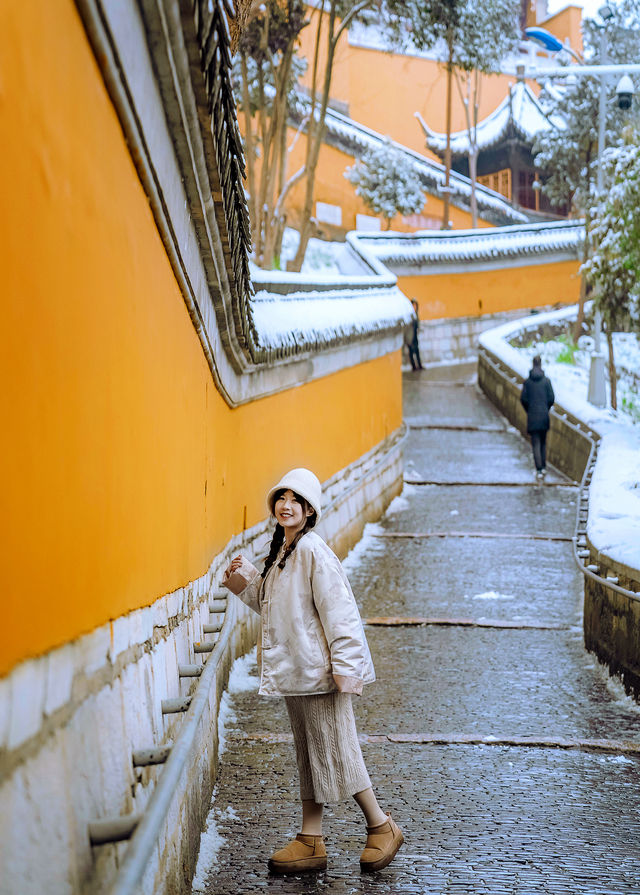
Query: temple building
x: 504, y: 142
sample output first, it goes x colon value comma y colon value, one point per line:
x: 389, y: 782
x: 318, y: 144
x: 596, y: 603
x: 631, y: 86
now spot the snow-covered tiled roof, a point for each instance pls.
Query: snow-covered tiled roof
x: 294, y: 313
x: 355, y: 139
x: 316, y: 320
x: 560, y: 239
x: 520, y: 110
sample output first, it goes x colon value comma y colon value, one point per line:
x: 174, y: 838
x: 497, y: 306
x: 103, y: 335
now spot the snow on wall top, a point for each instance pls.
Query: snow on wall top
x: 321, y: 309
x: 355, y: 139
x: 315, y: 320
x: 562, y: 238
x: 309, y: 311
x: 520, y: 109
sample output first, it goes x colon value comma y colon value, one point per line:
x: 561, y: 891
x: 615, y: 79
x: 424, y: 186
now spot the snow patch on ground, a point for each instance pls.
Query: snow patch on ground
x: 226, y: 716
x: 411, y: 471
x: 368, y: 545
x: 615, y: 687
x: 321, y: 255
x: 244, y: 673
x: 243, y: 677
x: 614, y: 500
x: 210, y: 844
x: 492, y: 595
x: 398, y: 505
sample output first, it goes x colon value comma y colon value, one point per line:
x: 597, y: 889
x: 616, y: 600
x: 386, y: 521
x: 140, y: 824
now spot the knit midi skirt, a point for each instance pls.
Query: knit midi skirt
x: 328, y: 753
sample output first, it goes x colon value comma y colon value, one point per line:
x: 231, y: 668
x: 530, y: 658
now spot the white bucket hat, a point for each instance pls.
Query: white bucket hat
x: 303, y: 482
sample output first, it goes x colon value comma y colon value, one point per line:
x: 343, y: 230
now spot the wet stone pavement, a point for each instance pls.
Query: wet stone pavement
x: 466, y: 731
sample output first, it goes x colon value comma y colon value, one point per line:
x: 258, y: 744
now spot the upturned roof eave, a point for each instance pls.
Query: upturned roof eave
x: 459, y: 140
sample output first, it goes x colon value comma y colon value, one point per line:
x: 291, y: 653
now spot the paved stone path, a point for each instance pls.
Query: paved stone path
x: 499, y: 744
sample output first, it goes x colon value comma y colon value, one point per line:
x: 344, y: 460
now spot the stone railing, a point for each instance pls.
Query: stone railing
x: 611, y: 588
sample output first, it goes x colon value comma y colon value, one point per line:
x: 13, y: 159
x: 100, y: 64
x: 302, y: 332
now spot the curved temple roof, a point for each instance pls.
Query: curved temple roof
x: 519, y: 111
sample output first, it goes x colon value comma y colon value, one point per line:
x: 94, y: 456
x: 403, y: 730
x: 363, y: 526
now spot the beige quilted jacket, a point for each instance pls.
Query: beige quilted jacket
x: 311, y: 627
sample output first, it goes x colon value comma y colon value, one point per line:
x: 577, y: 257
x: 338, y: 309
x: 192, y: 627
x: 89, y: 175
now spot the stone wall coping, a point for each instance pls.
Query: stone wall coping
x: 150, y: 58
x: 445, y: 251
x: 612, y: 436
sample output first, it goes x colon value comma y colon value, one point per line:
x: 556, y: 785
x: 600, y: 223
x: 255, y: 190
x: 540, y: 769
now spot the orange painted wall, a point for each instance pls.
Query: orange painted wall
x: 566, y: 25
x: 492, y: 291
x: 334, y: 188
x: 384, y: 90
x: 124, y: 470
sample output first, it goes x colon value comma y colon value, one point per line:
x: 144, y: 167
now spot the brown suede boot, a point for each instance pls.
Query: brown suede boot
x: 302, y: 855
x: 382, y: 845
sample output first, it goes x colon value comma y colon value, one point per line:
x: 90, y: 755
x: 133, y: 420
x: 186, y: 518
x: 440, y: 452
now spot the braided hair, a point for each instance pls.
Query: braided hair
x: 278, y: 535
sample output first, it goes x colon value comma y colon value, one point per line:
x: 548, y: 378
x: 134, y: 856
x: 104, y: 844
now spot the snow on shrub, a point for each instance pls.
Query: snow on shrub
x: 387, y: 182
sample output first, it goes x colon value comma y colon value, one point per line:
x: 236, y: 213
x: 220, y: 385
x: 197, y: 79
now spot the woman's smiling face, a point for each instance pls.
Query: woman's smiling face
x: 290, y: 513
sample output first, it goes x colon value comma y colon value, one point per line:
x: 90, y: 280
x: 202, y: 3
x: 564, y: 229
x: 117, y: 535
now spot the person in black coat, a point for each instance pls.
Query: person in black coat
x: 411, y: 338
x: 537, y: 399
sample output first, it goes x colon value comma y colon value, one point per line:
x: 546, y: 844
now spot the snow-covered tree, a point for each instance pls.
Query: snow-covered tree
x: 569, y: 156
x: 474, y: 39
x: 613, y: 268
x: 267, y: 70
x: 387, y: 182
x: 484, y: 36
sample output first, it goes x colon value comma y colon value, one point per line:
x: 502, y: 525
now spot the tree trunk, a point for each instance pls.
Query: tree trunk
x: 473, y: 173
x: 473, y: 160
x: 613, y: 378
x: 315, y: 137
x: 577, y: 330
x: 249, y: 142
x: 447, y: 152
x: 278, y: 123
x: 471, y: 119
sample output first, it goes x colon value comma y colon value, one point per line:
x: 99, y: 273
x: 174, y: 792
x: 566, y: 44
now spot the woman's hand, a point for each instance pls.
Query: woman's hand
x: 235, y: 564
x: 238, y: 574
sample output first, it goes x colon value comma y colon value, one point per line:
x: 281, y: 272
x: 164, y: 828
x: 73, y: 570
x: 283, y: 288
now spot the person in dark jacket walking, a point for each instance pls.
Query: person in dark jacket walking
x: 411, y: 338
x: 537, y: 399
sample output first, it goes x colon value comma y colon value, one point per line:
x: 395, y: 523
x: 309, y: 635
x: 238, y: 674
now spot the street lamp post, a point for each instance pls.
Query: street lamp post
x: 597, y: 393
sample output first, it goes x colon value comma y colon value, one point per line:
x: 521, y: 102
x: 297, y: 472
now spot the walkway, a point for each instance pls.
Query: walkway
x: 496, y: 740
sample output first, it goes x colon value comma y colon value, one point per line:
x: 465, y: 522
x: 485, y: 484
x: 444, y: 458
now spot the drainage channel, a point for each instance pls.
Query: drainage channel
x: 475, y: 484
x: 417, y: 535
x: 419, y: 621
x: 618, y: 747
x: 416, y: 425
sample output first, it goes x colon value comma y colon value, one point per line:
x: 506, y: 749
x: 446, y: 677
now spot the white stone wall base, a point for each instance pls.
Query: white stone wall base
x: 70, y: 720
x: 456, y: 338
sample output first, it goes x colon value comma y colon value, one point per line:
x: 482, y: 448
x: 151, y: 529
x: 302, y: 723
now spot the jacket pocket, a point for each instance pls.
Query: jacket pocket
x: 324, y: 651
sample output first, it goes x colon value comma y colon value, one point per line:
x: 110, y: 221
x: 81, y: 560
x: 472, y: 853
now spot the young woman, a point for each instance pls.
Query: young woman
x: 313, y: 651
